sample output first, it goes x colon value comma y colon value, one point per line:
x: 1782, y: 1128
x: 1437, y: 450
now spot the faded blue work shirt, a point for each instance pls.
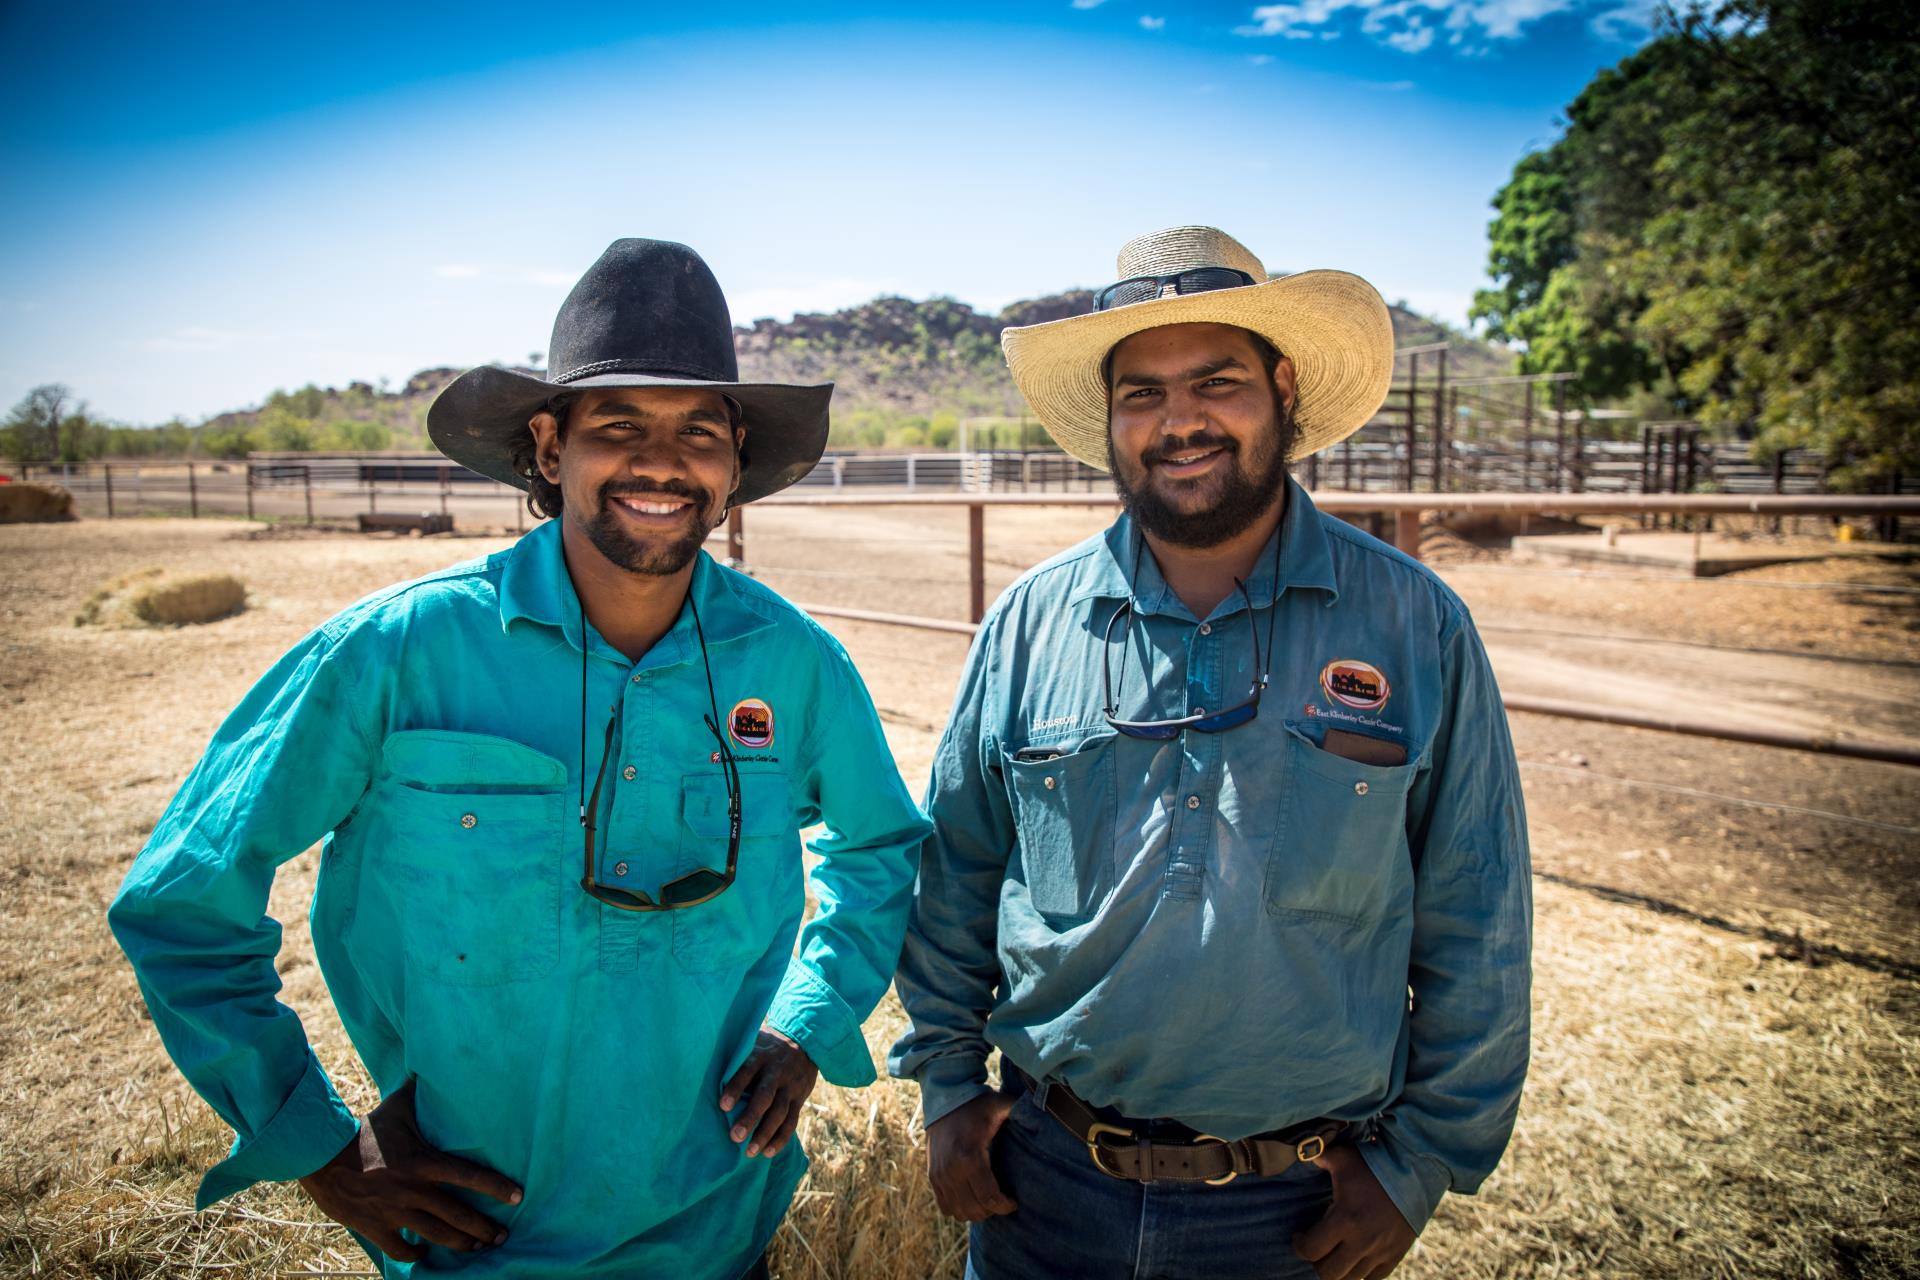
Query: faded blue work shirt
x: 1222, y: 929
x: 432, y: 735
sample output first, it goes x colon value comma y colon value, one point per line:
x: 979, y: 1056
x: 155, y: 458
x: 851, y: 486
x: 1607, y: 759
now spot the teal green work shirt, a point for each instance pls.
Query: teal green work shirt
x: 1223, y: 928
x: 431, y: 734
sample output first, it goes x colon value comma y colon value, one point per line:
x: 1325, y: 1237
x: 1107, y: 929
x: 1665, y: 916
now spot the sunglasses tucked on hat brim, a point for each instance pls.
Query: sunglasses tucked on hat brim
x: 1333, y: 326
x: 478, y: 417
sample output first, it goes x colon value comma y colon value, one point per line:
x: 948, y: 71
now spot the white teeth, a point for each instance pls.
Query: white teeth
x: 653, y: 508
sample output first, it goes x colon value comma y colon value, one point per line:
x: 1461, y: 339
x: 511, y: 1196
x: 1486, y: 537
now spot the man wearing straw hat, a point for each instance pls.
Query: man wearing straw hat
x: 1229, y: 860
x: 561, y: 790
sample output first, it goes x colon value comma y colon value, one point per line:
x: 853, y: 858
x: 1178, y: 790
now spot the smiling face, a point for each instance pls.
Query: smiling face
x: 1198, y: 430
x: 645, y: 472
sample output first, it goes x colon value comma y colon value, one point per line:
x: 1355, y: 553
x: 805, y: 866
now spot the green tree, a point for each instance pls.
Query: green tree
x: 32, y: 429
x: 1731, y: 218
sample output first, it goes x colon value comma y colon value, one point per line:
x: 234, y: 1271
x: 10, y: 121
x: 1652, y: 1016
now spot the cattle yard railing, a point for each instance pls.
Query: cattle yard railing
x: 1405, y: 511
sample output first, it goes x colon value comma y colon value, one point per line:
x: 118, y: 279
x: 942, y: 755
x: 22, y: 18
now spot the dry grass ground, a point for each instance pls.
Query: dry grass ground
x: 1705, y: 1101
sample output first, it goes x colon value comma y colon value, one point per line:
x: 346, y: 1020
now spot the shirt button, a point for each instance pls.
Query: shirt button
x: 1193, y: 802
x: 619, y: 868
x: 638, y: 679
x: 1048, y: 783
x: 1206, y: 628
x: 467, y: 820
x: 629, y: 773
x: 1199, y: 711
x: 1359, y: 788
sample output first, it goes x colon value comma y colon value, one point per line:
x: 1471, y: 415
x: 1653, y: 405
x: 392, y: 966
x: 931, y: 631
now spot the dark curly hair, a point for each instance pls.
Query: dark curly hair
x: 543, y: 496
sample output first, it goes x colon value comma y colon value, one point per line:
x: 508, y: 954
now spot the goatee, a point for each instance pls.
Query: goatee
x: 612, y: 540
x: 1245, y: 495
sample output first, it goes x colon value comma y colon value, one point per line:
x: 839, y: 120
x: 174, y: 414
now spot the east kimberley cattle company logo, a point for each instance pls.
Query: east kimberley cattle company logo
x: 751, y: 723
x: 1355, y: 684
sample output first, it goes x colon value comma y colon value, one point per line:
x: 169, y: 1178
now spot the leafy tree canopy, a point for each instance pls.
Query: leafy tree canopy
x: 1732, y: 217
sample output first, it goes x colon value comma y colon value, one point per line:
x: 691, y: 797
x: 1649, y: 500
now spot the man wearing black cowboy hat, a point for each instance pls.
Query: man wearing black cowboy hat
x: 1229, y: 860
x: 561, y: 790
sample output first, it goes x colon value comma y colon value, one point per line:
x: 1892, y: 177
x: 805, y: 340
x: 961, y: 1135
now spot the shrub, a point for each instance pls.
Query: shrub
x: 30, y: 502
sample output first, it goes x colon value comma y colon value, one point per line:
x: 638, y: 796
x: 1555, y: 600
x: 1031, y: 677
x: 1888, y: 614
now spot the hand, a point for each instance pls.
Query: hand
x: 1362, y: 1236
x: 959, y: 1163
x: 776, y: 1080
x: 388, y: 1178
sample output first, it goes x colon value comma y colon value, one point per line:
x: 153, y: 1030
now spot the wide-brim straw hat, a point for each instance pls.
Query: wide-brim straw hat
x: 649, y: 313
x: 1334, y: 326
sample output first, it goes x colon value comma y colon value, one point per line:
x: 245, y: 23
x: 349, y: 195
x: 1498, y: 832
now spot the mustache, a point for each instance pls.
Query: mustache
x: 1205, y: 440
x: 701, y: 498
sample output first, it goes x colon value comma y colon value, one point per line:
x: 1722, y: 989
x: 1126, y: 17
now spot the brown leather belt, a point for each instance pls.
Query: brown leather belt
x: 1124, y: 1150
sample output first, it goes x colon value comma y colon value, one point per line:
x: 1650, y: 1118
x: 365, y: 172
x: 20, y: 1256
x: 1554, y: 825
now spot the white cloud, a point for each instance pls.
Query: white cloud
x: 1412, y: 26
x: 196, y: 340
x: 1152, y: 24
x: 781, y: 301
x: 504, y: 275
x: 1411, y: 39
x: 1088, y: 4
x: 1260, y: 59
x: 1627, y: 21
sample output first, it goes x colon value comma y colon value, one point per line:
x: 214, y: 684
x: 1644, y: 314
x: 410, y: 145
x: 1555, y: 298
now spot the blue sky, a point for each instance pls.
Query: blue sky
x: 208, y: 201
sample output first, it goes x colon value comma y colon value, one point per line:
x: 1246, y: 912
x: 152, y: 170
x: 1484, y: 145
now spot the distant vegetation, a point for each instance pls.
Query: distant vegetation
x: 906, y: 375
x: 1729, y: 229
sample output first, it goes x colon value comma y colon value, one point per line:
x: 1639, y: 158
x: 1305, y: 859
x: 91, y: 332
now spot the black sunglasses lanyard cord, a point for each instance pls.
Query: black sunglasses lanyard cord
x: 1262, y: 661
x: 713, y: 721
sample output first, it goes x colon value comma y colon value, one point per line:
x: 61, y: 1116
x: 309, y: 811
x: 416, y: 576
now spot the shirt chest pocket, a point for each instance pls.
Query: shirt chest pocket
x: 745, y: 920
x: 1340, y: 853
x: 1063, y: 818
x: 465, y: 834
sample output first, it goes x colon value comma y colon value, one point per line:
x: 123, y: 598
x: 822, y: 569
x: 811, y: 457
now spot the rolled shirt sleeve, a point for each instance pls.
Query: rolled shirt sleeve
x: 950, y: 966
x: 862, y: 883
x: 1470, y: 967
x: 288, y: 765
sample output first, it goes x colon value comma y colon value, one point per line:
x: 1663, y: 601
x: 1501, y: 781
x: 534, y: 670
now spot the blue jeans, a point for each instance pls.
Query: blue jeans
x: 1077, y: 1223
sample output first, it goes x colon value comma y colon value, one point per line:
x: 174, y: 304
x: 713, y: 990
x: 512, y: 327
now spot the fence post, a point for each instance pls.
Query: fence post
x: 1526, y: 443
x: 737, y: 533
x: 193, y: 493
x: 910, y: 462
x: 109, y: 491
x: 839, y: 473
x: 1406, y: 532
x: 1413, y: 427
x: 1441, y: 425
x: 249, y: 491
x: 306, y: 474
x: 1779, y: 479
x: 976, y: 561
x: 1559, y: 437
x: 446, y: 482
x: 1646, y: 471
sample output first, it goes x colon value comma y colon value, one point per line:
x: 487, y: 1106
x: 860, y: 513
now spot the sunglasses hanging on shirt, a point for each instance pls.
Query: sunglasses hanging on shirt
x: 1208, y: 722
x: 696, y: 887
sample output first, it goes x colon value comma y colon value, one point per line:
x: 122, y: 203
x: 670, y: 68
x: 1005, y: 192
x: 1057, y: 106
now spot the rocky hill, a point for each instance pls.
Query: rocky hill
x: 905, y: 372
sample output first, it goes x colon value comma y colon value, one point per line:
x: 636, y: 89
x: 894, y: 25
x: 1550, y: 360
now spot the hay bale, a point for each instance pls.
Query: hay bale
x: 202, y: 597
x: 151, y: 598
x: 31, y: 502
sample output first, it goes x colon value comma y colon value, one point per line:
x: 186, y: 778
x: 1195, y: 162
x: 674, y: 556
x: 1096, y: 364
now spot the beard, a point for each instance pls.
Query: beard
x: 1246, y: 491
x: 605, y: 531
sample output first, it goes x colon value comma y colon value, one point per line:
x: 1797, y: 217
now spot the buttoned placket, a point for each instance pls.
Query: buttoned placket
x: 1192, y: 828
x: 636, y: 795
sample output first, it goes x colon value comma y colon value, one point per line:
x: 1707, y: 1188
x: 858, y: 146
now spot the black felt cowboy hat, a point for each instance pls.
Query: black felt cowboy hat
x: 648, y: 314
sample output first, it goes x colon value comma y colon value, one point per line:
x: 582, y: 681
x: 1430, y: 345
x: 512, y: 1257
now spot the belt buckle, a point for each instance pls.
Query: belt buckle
x: 1310, y: 1148
x: 1231, y: 1173
x: 1093, y: 1146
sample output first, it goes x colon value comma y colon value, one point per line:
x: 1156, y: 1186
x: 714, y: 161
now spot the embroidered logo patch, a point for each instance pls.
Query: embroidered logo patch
x: 751, y: 723
x: 1356, y: 684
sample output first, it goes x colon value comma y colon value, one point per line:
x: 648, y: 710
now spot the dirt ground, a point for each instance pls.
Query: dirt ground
x: 1727, y: 1026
